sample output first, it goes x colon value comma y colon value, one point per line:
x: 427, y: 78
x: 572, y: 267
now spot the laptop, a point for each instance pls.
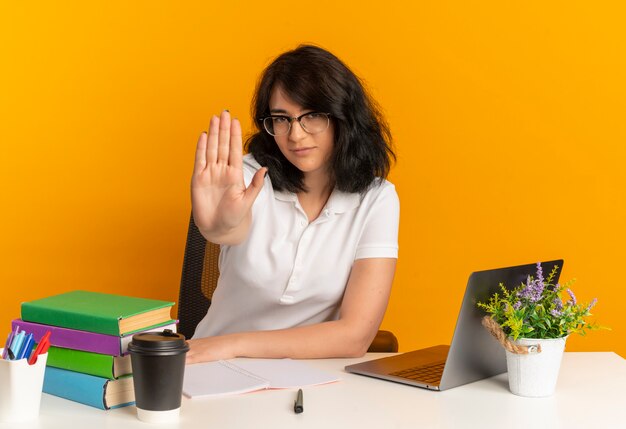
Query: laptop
x: 473, y: 354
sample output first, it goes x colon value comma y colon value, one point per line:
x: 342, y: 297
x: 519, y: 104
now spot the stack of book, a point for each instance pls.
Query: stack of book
x: 88, y: 361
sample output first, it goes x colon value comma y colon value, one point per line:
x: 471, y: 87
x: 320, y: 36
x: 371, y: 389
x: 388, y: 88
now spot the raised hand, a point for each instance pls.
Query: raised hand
x: 219, y: 198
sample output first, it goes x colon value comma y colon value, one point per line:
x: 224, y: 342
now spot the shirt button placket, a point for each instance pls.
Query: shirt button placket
x: 297, y: 268
x: 287, y: 297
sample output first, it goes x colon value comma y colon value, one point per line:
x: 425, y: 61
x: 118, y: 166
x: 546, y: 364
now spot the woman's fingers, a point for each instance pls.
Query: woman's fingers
x: 200, y: 163
x: 211, y: 147
x: 255, y: 186
x: 235, y: 155
x: 223, y: 144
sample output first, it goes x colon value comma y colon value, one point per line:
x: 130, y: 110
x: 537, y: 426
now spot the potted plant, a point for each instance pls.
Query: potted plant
x: 532, y: 321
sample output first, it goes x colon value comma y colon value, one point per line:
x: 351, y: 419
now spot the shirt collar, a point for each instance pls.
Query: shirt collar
x: 285, y: 196
x: 341, y: 202
x: 338, y: 202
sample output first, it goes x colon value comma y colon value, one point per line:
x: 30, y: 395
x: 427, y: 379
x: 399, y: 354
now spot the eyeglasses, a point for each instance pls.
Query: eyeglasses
x: 312, y: 123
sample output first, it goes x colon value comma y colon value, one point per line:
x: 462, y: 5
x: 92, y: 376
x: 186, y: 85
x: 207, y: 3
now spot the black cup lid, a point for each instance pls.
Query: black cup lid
x: 158, y: 341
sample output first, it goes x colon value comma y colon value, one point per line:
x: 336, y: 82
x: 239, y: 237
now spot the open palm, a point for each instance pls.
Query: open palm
x: 219, y: 198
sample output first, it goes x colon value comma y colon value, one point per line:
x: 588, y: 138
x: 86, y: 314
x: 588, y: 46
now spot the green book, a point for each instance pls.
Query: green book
x: 97, y: 364
x: 103, y: 313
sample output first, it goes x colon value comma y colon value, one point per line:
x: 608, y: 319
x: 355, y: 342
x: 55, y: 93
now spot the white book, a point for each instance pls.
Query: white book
x: 243, y: 375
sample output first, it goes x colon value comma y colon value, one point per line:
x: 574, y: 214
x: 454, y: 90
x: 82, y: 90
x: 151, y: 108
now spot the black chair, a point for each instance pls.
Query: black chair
x: 199, y: 280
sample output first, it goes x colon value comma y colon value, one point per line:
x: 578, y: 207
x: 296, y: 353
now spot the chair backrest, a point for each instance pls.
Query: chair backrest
x: 199, y: 280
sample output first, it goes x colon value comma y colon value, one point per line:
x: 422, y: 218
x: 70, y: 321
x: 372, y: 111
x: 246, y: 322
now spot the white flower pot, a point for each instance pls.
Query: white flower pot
x: 534, y: 375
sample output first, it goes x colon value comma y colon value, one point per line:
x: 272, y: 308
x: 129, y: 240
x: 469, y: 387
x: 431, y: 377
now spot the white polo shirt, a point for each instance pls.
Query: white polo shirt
x: 289, y: 272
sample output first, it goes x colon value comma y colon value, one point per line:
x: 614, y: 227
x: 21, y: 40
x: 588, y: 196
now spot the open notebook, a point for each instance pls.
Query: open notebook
x: 247, y: 375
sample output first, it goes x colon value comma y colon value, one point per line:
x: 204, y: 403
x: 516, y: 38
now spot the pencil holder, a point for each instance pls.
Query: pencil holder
x: 20, y: 389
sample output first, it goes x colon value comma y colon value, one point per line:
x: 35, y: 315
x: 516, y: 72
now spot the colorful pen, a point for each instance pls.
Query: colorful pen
x: 41, y: 348
x: 7, y: 345
x: 18, y: 340
x: 26, y: 348
x: 10, y: 353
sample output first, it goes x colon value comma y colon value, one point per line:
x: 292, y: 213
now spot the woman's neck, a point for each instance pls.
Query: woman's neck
x: 319, y: 188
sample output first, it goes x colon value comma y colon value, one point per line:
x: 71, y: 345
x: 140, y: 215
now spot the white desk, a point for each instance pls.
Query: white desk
x: 591, y: 392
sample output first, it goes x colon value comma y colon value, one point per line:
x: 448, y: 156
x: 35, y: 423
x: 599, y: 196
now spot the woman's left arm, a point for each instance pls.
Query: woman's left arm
x: 362, y: 310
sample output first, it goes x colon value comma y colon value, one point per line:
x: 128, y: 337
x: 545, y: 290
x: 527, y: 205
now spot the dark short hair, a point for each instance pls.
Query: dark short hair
x: 319, y: 81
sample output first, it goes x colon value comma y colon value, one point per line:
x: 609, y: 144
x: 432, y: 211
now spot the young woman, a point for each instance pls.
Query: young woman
x: 307, y: 223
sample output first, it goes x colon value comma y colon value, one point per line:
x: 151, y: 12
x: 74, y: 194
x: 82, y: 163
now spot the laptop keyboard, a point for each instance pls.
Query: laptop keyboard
x: 430, y: 373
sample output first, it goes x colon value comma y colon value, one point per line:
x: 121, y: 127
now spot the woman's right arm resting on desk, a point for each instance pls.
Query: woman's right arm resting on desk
x: 221, y: 203
x: 362, y: 311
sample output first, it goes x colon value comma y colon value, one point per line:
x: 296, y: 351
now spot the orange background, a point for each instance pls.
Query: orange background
x: 508, y: 119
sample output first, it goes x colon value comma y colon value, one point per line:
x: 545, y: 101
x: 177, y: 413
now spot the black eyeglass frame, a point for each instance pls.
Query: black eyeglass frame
x: 294, y: 118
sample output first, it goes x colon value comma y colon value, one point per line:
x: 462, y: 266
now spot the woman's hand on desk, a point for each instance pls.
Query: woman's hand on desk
x: 210, y: 349
x: 220, y: 200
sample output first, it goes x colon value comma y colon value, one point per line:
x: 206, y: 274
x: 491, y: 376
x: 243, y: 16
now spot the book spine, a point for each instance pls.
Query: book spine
x: 58, y: 316
x: 73, y: 338
x: 75, y: 386
x: 80, y: 361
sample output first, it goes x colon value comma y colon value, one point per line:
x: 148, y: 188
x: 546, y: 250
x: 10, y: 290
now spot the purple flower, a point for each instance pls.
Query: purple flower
x: 539, y: 287
x: 539, y: 273
x: 556, y: 313
x: 532, y: 290
x: 517, y: 305
x: 558, y: 307
x: 572, y: 296
x: 525, y: 291
x: 592, y: 303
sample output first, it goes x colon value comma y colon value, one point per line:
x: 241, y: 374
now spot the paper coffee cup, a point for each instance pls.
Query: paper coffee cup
x: 158, y: 361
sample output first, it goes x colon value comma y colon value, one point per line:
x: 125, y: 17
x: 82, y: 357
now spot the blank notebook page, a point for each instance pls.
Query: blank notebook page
x: 285, y: 373
x: 217, y: 378
x: 246, y: 375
